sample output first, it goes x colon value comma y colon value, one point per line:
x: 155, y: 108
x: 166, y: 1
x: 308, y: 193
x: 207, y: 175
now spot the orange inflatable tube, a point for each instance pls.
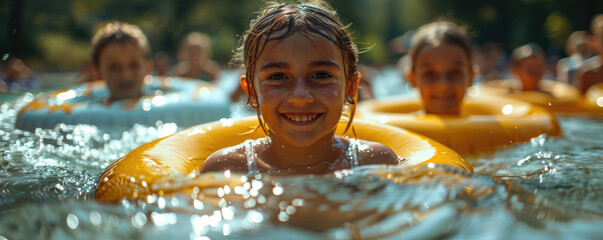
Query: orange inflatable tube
x: 183, y: 154
x: 593, y: 99
x: 486, y: 123
x: 186, y: 102
x: 556, y: 96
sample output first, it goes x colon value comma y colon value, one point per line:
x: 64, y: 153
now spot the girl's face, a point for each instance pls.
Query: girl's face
x: 123, y: 67
x: 530, y: 71
x: 300, y: 86
x: 442, y: 74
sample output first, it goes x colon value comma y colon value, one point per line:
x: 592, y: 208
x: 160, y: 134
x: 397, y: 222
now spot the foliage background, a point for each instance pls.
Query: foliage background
x: 55, y: 35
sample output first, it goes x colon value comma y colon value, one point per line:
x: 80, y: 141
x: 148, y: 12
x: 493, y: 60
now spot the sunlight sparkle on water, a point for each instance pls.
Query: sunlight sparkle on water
x: 198, y: 204
x: 146, y: 105
x: 139, y: 220
x: 63, y: 164
x: 215, y: 219
x: 277, y: 190
x: 158, y: 100
x: 226, y: 229
x: 227, y: 122
x: 199, y: 223
x: 163, y: 219
x: 95, y: 218
x: 227, y: 213
x: 250, y: 203
x: 72, y: 221
x: 161, y: 202
x: 283, y: 217
x: 298, y: 202
x: 255, y: 216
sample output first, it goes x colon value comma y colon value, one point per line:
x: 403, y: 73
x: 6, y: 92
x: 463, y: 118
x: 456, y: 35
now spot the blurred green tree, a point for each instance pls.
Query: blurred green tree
x: 55, y: 35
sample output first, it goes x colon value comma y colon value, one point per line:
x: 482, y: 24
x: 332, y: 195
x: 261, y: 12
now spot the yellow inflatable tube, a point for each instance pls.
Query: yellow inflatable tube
x: 593, y: 99
x: 556, y: 96
x: 184, y: 152
x: 485, y: 124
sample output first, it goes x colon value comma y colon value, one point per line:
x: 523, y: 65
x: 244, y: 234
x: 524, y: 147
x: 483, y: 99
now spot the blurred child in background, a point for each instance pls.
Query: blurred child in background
x: 578, y: 50
x: 591, y: 71
x: 121, y: 57
x: 194, y: 56
x: 528, y: 64
x: 17, y: 76
x: 441, y: 67
x: 162, y: 64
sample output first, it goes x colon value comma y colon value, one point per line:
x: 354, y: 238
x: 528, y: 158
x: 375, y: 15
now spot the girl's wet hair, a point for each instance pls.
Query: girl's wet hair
x: 122, y: 33
x: 281, y: 20
x: 526, y: 51
x: 437, y: 33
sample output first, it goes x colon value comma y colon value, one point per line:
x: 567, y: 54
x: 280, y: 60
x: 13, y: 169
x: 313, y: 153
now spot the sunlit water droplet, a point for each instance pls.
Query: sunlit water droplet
x: 53, y: 167
x: 72, y: 221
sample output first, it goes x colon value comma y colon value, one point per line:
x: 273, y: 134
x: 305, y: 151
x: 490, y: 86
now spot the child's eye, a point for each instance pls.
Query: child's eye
x: 322, y: 75
x: 276, y: 77
x: 454, y: 75
x: 134, y: 65
x: 113, y: 67
x: 429, y: 74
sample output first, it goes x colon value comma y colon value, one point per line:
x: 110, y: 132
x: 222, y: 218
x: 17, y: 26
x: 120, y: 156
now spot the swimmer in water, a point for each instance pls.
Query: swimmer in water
x: 300, y: 71
x: 528, y: 64
x: 441, y: 67
x: 194, y: 55
x: 121, y: 57
x: 578, y: 50
x: 591, y: 72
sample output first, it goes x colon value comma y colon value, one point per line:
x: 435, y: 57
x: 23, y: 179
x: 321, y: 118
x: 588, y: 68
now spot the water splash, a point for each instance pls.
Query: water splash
x: 566, y: 170
x: 60, y: 163
x: 373, y: 202
x: 544, y: 189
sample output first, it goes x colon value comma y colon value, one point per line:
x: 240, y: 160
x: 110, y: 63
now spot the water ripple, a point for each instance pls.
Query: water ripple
x: 549, y: 188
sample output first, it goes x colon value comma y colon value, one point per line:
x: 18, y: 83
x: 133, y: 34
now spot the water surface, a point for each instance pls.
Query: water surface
x: 550, y: 188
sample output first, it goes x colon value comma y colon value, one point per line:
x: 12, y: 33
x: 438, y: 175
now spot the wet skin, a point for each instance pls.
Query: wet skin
x: 441, y: 75
x: 300, y: 87
x: 123, y: 66
x: 530, y: 71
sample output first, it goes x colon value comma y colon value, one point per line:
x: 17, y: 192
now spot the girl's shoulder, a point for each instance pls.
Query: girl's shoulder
x: 375, y: 153
x: 230, y: 158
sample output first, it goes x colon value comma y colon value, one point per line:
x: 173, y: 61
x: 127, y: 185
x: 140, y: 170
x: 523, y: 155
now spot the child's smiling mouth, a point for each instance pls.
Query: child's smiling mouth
x: 301, y: 118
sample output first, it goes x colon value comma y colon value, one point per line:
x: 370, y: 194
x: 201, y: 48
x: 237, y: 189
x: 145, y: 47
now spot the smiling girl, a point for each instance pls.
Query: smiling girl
x: 300, y: 71
x: 441, y: 67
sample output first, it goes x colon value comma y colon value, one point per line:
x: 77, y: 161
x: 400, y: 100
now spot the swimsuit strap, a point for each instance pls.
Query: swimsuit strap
x: 252, y: 165
x: 352, y: 153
